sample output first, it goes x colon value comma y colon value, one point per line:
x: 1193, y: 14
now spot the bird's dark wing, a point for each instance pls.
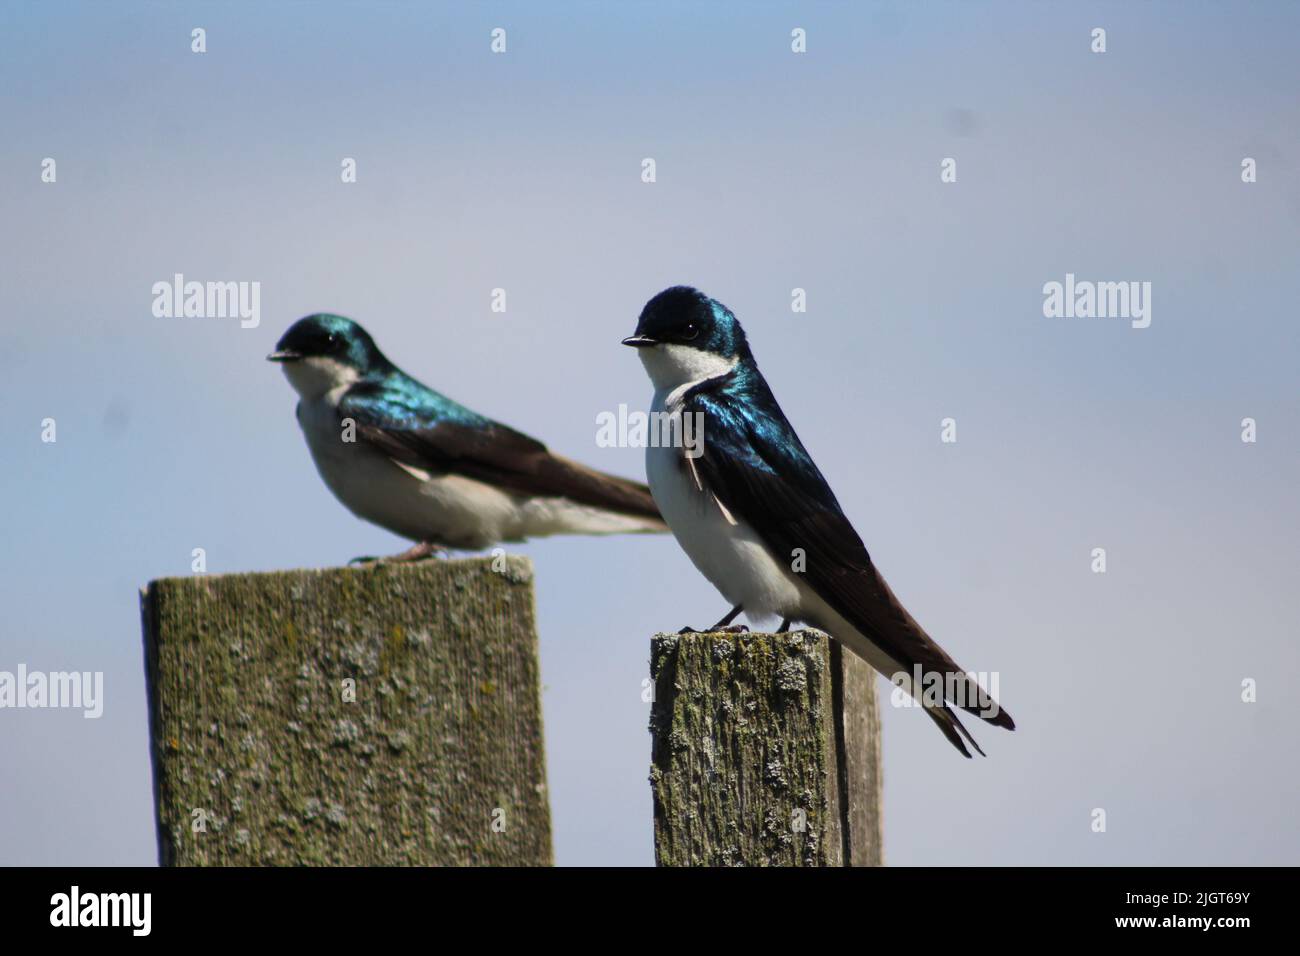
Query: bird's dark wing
x: 455, y: 440
x: 755, y: 464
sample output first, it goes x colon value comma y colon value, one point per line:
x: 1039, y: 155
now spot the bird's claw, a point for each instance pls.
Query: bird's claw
x: 424, y: 551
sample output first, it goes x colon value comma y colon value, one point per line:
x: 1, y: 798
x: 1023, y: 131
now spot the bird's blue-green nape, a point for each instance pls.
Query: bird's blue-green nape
x: 686, y: 316
x: 333, y: 336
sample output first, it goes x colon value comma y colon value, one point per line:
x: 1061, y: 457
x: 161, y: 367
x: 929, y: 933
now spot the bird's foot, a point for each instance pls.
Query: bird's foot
x: 731, y: 616
x: 419, y: 552
x: 423, y: 551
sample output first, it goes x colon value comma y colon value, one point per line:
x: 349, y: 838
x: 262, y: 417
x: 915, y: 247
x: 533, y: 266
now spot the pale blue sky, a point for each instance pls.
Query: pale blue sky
x: 775, y: 170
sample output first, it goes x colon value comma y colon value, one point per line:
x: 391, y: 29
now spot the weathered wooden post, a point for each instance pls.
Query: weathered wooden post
x: 377, y: 716
x: 766, y: 752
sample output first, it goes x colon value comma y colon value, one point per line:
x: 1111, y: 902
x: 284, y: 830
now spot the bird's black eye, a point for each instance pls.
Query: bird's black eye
x: 691, y: 332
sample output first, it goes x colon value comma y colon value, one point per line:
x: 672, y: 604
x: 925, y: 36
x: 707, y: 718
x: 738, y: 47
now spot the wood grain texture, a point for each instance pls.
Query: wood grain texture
x: 751, y: 762
x: 437, y: 761
x: 861, y: 759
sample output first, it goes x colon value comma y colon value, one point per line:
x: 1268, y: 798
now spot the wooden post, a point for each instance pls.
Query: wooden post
x: 381, y: 716
x: 766, y: 752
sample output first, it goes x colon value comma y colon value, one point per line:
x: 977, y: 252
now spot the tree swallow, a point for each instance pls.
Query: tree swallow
x: 408, y: 459
x: 760, y: 522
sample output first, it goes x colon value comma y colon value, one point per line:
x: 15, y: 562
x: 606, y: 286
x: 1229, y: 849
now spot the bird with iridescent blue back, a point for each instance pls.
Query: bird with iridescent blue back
x: 755, y: 515
x: 402, y: 456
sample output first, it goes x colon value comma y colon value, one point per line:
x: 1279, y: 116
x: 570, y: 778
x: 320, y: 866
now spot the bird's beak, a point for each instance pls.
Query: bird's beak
x: 284, y: 355
x: 639, y: 341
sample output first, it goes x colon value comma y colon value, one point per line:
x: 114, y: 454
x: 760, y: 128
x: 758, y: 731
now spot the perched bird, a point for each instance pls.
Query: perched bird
x: 750, y: 501
x: 408, y: 459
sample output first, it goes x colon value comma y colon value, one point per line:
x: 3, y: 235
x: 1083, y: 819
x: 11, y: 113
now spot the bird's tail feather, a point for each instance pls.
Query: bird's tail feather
x: 953, y: 729
x: 600, y: 490
x: 547, y: 516
x: 945, y: 716
x: 988, y: 709
x: 970, y: 696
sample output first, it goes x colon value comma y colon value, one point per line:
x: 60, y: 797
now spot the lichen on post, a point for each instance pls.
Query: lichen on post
x: 765, y: 752
x: 386, y: 715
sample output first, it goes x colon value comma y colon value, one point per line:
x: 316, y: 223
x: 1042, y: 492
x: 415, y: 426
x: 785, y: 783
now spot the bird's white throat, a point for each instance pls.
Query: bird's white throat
x: 670, y: 366
x: 318, y: 376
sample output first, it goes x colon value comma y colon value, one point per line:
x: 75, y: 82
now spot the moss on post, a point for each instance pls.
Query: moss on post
x: 389, y: 715
x: 766, y: 752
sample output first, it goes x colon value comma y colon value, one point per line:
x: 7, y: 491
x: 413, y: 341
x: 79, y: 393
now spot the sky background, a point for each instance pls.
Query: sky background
x: 774, y: 171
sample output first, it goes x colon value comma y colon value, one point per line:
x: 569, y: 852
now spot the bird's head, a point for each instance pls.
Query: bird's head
x: 684, y: 336
x: 322, y: 352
